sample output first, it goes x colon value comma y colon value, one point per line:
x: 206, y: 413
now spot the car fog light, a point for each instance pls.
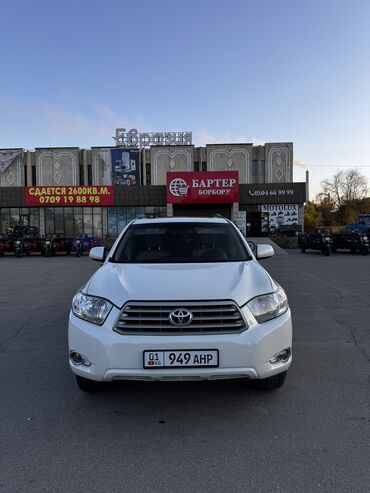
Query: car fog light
x: 282, y: 357
x: 79, y: 359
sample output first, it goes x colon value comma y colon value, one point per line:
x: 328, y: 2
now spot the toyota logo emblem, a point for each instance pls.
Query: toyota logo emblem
x: 180, y: 316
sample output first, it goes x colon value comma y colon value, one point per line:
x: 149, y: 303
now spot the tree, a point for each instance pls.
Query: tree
x: 327, y: 209
x: 312, y: 218
x: 344, y: 191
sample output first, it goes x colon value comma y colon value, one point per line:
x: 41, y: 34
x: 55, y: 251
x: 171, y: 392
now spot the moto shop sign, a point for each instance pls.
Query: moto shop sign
x: 203, y: 188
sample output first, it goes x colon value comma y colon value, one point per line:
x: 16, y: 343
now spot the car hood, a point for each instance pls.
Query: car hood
x: 238, y: 281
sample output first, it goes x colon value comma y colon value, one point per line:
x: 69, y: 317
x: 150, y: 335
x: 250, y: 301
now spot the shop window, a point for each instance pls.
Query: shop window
x: 25, y: 176
x: 98, y: 225
x: 34, y: 217
x: 49, y: 220
x: 112, y: 225
x: 24, y: 216
x: 29, y: 216
x: 59, y: 221
x: 119, y: 217
x: 121, y: 222
x: 78, y: 223
x: 87, y: 223
x: 4, y: 219
x: 14, y: 216
x: 155, y: 211
x: 68, y: 221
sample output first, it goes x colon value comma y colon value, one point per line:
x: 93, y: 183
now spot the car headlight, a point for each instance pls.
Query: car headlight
x: 269, y: 306
x: 91, y: 308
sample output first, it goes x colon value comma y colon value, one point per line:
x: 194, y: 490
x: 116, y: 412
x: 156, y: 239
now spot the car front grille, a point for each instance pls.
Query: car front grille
x: 208, y: 317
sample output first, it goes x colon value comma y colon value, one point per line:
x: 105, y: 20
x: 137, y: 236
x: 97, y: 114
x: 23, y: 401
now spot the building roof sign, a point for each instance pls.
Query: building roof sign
x: 132, y: 138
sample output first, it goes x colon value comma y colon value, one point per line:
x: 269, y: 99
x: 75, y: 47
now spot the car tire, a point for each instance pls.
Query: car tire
x: 303, y: 249
x: 272, y: 383
x: 87, y: 385
x: 365, y: 251
x: 326, y: 252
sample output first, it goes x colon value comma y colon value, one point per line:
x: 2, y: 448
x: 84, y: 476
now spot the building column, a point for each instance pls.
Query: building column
x: 169, y: 210
x: 42, y: 221
x: 142, y: 165
x: 105, y: 222
x: 29, y: 168
x: 234, y: 211
x: 84, y: 163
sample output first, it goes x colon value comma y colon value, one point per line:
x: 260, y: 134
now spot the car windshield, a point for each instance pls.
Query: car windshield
x: 176, y: 242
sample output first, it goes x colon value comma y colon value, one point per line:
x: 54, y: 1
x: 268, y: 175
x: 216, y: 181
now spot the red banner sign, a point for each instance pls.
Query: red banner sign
x: 210, y: 187
x: 65, y: 196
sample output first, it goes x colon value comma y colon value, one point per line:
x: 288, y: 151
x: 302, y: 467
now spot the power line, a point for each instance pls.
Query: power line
x: 303, y: 165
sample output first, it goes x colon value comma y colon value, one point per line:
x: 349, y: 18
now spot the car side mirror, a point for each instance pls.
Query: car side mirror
x: 264, y: 251
x: 98, y: 253
x: 252, y: 245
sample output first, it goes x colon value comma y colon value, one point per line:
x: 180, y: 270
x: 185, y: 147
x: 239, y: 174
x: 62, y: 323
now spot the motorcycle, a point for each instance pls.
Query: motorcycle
x: 54, y: 244
x: 18, y: 248
x: 315, y: 241
x: 46, y: 248
x: 351, y: 241
x: 79, y: 247
x: 6, y: 245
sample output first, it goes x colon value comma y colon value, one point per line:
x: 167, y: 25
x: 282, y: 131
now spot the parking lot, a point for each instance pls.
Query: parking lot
x: 311, y: 435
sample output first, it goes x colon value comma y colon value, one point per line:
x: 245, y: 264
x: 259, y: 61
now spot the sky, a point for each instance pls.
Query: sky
x: 298, y: 71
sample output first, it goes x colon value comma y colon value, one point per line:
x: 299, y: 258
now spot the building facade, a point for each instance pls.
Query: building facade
x: 137, y: 181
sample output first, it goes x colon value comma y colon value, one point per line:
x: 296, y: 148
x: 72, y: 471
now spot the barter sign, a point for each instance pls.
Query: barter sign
x: 202, y: 188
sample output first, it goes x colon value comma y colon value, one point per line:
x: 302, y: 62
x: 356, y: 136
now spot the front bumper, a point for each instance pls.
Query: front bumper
x: 120, y: 357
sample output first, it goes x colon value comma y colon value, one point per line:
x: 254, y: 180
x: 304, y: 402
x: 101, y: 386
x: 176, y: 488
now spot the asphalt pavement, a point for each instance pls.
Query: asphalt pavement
x: 312, y: 435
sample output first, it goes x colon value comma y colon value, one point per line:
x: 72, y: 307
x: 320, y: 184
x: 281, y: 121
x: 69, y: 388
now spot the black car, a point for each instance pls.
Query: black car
x: 350, y: 241
x: 315, y: 241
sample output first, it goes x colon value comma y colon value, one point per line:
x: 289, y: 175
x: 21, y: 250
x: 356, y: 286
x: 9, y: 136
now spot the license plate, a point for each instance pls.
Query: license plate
x: 199, y: 358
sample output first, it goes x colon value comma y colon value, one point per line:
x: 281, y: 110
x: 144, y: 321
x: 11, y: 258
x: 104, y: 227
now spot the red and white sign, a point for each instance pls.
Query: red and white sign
x: 209, y: 187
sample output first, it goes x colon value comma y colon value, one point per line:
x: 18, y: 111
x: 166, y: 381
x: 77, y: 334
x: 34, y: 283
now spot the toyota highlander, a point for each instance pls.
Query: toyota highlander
x: 180, y: 299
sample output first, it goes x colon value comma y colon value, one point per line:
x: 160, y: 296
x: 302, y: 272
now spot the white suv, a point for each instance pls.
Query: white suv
x: 180, y: 299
